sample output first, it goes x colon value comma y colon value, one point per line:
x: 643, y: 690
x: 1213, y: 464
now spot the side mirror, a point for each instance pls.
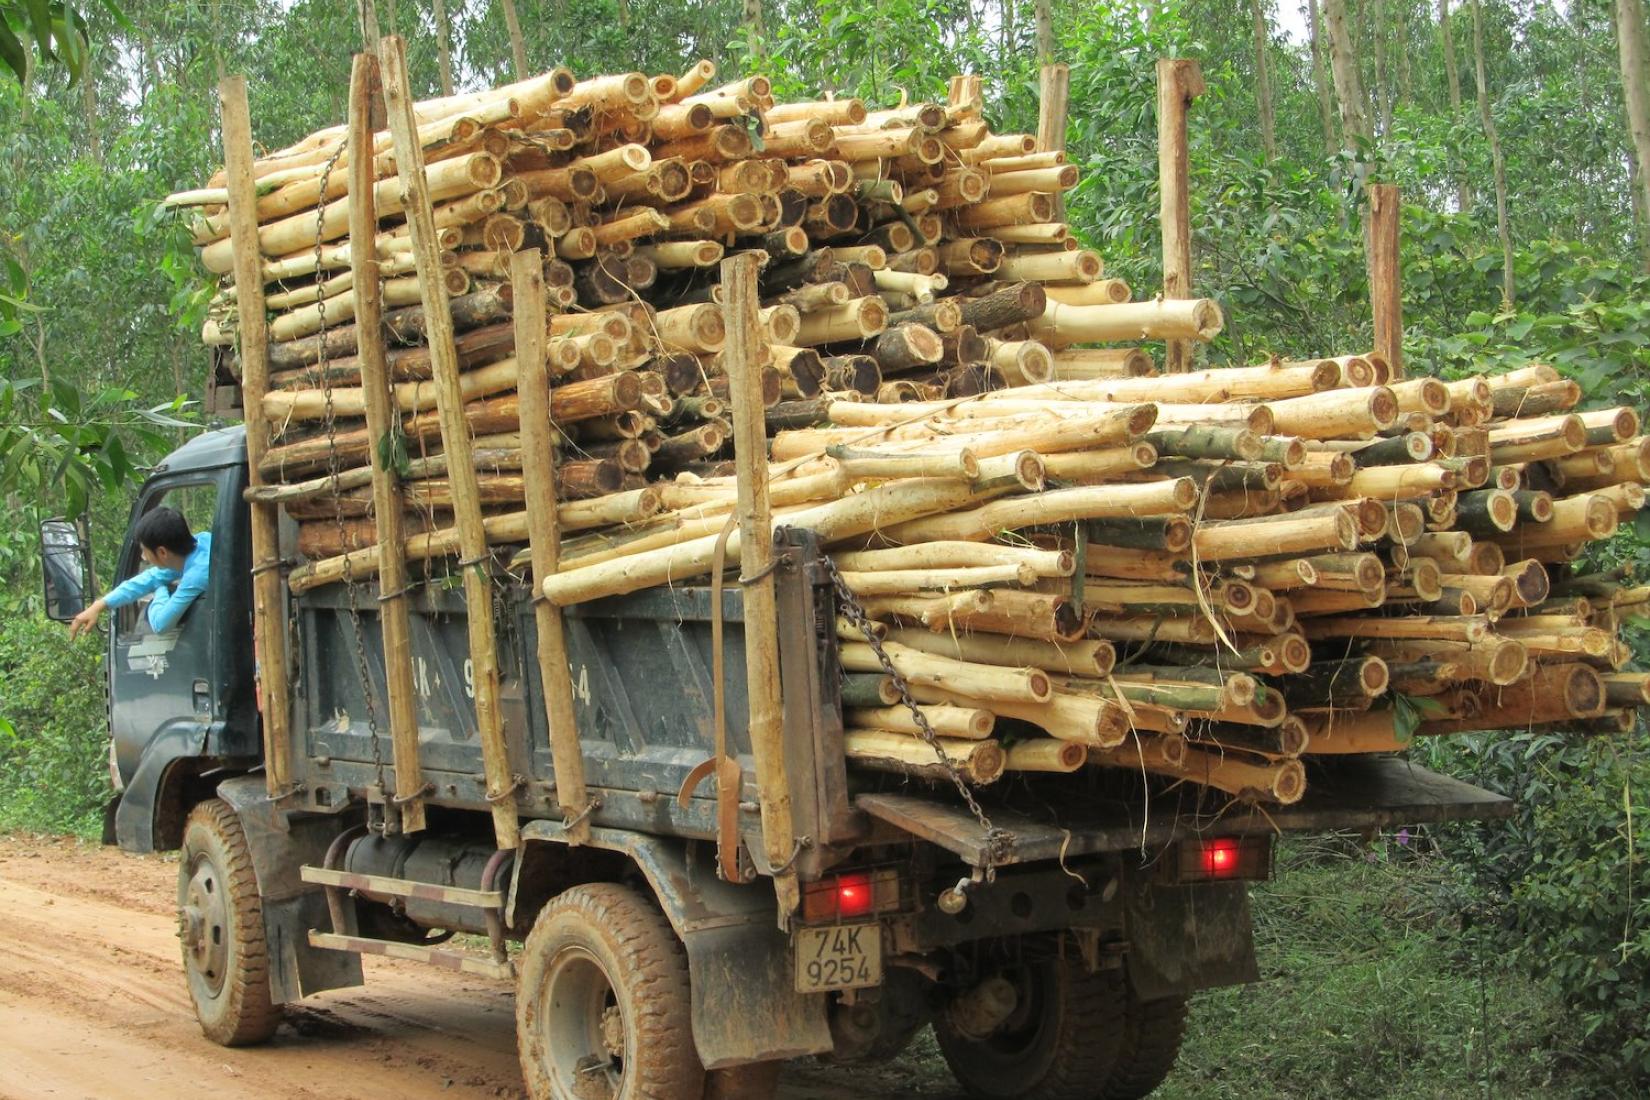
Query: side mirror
x: 66, y: 565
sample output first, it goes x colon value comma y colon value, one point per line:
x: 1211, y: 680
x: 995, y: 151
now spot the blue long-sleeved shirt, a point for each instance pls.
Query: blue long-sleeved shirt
x: 168, y: 605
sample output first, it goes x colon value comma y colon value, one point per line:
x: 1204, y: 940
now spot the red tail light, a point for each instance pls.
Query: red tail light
x: 1225, y: 857
x: 1220, y: 858
x: 851, y: 896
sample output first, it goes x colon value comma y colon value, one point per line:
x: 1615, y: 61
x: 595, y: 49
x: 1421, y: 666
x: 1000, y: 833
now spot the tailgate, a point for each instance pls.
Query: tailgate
x: 1349, y: 793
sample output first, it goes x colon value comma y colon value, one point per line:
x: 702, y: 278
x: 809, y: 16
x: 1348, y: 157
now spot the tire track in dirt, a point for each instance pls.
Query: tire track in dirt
x: 93, y: 1006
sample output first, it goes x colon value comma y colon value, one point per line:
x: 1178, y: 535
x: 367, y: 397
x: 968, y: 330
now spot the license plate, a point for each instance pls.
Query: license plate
x: 847, y: 956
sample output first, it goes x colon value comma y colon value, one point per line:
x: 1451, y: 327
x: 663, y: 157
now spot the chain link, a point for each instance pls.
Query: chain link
x: 998, y: 842
x: 362, y: 668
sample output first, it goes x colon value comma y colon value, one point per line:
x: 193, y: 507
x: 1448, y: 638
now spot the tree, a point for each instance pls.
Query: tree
x: 1320, y: 79
x: 1045, y: 31
x: 1463, y: 185
x: 1635, y: 61
x: 1263, y: 82
x: 52, y: 29
x: 1343, y: 63
x: 443, y: 48
x: 518, y: 46
x: 1497, y: 160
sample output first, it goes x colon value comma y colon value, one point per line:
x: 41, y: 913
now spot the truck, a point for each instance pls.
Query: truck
x: 1050, y: 933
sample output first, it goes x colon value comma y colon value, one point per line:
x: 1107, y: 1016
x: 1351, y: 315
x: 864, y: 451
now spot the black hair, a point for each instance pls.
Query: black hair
x: 165, y: 528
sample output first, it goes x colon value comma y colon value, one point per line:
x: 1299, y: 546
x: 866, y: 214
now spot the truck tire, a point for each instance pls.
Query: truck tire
x: 602, y: 1003
x: 759, y: 1081
x: 1060, y: 1043
x: 221, y: 928
x: 1152, y: 1031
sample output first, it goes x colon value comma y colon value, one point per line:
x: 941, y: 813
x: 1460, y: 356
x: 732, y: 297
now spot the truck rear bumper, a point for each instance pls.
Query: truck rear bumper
x: 1349, y: 793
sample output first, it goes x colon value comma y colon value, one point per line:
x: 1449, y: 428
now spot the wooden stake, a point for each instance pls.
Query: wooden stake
x: 455, y: 441
x: 544, y: 536
x: 268, y: 617
x: 1386, y: 295
x: 1179, y: 81
x: 740, y: 358
x: 1053, y: 97
x: 387, y: 497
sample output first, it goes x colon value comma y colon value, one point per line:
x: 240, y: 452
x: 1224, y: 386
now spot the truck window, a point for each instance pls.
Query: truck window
x: 198, y: 502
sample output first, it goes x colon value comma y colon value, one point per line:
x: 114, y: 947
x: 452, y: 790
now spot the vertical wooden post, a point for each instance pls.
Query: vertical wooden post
x: 539, y: 468
x: 741, y: 356
x: 388, y: 501
x: 1053, y: 99
x: 455, y: 440
x: 1179, y: 81
x: 268, y: 619
x: 1386, y: 293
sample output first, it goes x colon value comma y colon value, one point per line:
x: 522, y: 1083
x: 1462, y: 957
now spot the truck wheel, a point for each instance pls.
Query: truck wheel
x: 221, y: 926
x: 602, y: 1004
x: 1152, y: 1031
x: 759, y: 1081
x: 1059, y: 1043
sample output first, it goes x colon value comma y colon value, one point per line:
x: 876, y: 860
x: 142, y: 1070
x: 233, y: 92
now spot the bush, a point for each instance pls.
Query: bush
x: 53, y: 729
x: 1562, y: 887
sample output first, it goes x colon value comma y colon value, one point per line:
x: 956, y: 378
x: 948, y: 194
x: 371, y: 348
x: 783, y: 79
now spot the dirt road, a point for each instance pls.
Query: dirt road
x: 92, y: 1005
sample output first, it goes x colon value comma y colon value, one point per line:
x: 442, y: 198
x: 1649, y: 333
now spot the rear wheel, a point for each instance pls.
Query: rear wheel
x: 602, y: 1003
x: 221, y: 926
x: 1152, y: 1032
x: 1060, y: 1043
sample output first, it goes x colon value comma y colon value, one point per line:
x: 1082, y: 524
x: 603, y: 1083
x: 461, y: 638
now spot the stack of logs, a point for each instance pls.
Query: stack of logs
x: 1204, y: 576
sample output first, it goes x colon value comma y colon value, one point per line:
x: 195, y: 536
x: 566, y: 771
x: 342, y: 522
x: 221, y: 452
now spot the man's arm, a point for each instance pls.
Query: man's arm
x: 128, y: 591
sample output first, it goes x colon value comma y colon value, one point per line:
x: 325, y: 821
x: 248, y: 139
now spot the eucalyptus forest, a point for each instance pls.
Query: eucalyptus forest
x: 1504, y: 959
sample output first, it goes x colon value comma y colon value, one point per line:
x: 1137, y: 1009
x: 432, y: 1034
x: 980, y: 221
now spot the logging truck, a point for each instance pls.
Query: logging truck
x: 1049, y: 932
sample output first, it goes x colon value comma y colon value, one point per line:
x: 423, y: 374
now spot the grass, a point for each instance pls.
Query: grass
x: 1373, y: 988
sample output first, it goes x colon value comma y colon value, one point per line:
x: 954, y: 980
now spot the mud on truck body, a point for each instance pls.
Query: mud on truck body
x: 1051, y: 940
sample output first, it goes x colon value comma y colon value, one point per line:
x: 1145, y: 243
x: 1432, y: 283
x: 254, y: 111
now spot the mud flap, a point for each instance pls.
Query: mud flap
x: 280, y: 846
x: 1186, y: 938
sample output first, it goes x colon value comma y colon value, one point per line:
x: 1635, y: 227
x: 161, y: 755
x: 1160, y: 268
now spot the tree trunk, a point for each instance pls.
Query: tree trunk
x: 1463, y: 186
x: 1501, y: 227
x: 1383, y: 70
x: 367, y: 16
x: 443, y: 48
x: 1343, y: 63
x: 754, y: 24
x: 88, y: 105
x: 1320, y: 79
x: 1400, y: 30
x: 1635, y: 60
x: 1045, y: 32
x: 1263, y: 82
x: 518, y: 47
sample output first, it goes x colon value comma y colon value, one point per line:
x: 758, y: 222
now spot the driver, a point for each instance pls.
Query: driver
x: 176, y: 575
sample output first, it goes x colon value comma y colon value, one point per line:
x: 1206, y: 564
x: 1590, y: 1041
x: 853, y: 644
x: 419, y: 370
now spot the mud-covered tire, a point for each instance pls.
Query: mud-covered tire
x: 1152, y: 1032
x: 221, y: 927
x: 602, y: 1002
x: 1060, y: 1044
x: 754, y: 1082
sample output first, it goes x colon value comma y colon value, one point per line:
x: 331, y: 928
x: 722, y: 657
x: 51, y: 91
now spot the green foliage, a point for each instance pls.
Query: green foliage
x: 53, y: 729
x: 1372, y: 988
x: 1563, y: 886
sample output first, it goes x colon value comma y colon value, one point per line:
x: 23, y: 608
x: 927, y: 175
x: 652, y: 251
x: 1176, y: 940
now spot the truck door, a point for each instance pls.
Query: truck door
x: 166, y: 684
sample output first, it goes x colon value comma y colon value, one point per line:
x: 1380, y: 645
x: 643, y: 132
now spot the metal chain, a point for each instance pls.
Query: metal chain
x: 998, y: 842
x: 363, y: 670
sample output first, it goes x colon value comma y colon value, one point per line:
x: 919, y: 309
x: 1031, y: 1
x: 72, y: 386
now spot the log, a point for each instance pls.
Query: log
x: 455, y: 441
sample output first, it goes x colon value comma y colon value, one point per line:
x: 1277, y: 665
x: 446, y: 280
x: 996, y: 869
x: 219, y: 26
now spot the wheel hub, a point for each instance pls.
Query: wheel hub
x: 204, y: 925
x: 584, y: 1028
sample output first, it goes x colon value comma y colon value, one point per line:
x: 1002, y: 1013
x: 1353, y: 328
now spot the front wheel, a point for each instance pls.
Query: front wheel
x: 602, y: 1002
x: 221, y: 925
x: 1060, y: 1042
